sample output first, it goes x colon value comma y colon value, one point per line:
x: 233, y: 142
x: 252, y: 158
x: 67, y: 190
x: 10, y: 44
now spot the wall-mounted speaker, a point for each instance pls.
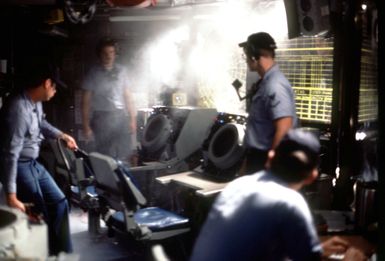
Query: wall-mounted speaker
x: 307, y: 17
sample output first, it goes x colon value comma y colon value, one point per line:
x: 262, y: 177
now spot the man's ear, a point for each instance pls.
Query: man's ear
x: 270, y: 156
x: 312, y: 176
x: 47, y: 82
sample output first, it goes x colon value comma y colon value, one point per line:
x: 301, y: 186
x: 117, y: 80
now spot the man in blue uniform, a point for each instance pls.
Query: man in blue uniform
x: 106, y: 94
x: 272, y: 105
x: 24, y: 179
x: 262, y: 216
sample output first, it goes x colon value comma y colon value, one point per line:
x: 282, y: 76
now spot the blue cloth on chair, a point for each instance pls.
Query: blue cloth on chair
x: 90, y: 190
x: 156, y: 219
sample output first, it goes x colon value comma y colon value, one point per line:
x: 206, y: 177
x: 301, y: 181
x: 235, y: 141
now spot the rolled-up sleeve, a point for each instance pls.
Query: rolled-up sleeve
x: 281, y: 100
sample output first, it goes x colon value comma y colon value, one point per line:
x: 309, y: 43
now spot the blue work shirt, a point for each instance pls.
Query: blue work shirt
x: 107, y: 87
x: 257, y: 217
x: 24, y: 127
x: 274, y: 99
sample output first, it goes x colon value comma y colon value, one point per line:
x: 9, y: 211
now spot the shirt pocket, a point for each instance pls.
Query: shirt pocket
x: 259, y: 109
x: 34, y: 129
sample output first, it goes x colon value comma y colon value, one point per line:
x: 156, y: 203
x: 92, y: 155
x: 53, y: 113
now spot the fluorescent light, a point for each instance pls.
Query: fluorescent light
x: 133, y: 18
x: 204, y: 17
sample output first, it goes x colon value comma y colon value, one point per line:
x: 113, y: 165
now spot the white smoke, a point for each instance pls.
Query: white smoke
x: 200, y: 55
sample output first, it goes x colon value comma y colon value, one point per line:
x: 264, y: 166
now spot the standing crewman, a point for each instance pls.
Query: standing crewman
x: 107, y: 94
x: 272, y: 105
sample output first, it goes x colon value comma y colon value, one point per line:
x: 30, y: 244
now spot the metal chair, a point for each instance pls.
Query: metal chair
x: 128, y: 214
x: 70, y: 169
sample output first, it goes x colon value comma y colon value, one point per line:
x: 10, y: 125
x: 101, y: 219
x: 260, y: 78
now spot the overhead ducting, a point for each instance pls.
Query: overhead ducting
x: 157, y: 3
x: 27, y: 2
x: 131, y: 3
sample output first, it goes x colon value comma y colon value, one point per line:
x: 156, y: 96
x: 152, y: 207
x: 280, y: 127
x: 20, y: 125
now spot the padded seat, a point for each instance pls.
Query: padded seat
x: 156, y: 219
x: 89, y: 189
x: 117, y: 192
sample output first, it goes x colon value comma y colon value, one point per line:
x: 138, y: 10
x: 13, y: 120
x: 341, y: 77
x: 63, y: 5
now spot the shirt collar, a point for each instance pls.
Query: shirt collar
x: 29, y: 101
x: 270, y: 176
x: 100, y: 67
x: 272, y: 69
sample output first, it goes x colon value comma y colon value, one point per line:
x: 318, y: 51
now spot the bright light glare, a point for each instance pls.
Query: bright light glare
x: 214, y: 59
x: 360, y: 135
x: 337, y: 171
x: 163, y: 56
x: 204, y: 55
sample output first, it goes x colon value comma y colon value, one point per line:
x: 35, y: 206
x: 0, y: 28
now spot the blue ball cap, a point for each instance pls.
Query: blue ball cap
x: 297, y: 139
x: 259, y: 40
x: 33, y: 71
x: 55, y: 76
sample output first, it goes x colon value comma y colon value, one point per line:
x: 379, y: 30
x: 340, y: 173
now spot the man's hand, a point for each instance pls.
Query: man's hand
x: 132, y: 127
x: 334, y: 245
x: 71, y: 143
x: 13, y: 202
x: 354, y: 254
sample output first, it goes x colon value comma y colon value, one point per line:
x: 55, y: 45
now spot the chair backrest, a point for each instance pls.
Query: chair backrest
x: 106, y: 179
x: 65, y: 160
x: 132, y: 197
x: 62, y: 172
x: 110, y: 178
x: 70, y: 171
x: 104, y: 167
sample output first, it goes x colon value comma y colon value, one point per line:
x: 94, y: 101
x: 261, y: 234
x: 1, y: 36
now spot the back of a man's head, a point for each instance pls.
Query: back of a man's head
x: 296, y: 156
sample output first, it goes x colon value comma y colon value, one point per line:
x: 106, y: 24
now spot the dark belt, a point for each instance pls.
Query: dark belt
x: 254, y: 151
x: 114, y: 112
x: 25, y: 160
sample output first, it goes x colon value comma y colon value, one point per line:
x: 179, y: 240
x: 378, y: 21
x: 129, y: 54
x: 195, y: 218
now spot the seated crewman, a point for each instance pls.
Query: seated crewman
x: 25, y: 180
x: 262, y: 216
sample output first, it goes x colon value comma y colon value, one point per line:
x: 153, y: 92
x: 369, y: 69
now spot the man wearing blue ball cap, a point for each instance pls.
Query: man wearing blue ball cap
x: 263, y: 217
x: 24, y: 179
x: 272, y: 105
